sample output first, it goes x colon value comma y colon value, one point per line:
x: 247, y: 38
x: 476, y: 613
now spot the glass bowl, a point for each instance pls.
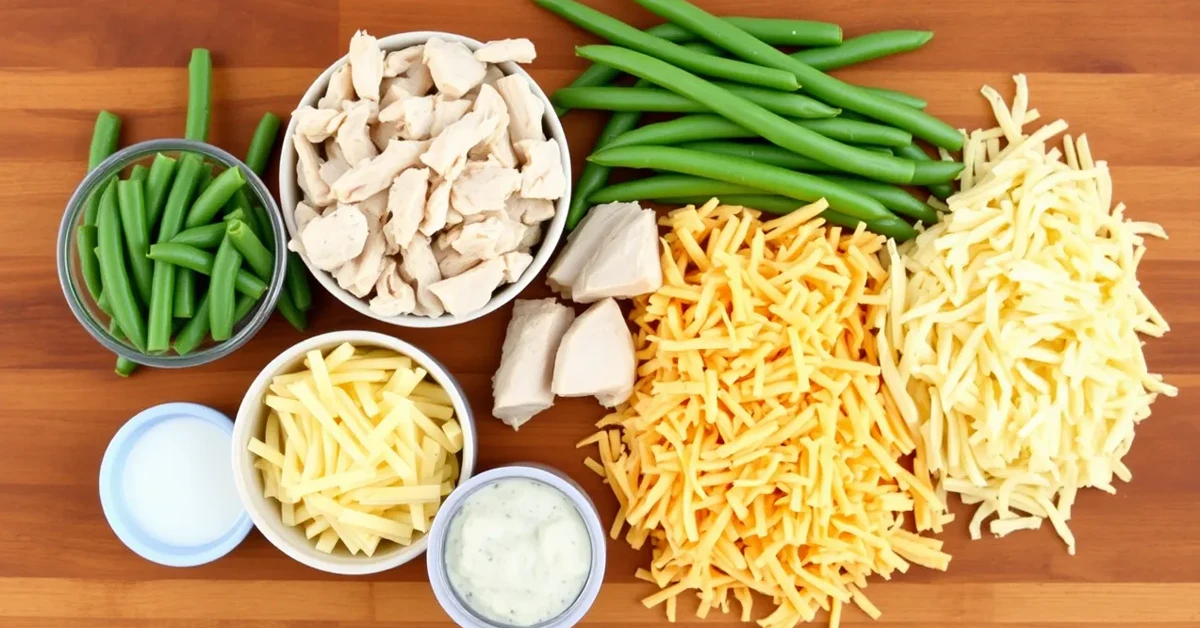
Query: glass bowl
x: 96, y: 322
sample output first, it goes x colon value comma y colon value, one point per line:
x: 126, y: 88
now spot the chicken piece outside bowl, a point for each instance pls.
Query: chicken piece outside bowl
x: 290, y: 195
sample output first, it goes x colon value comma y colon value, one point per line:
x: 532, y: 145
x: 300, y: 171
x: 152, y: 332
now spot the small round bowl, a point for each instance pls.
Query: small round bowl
x: 264, y: 511
x: 289, y: 193
x: 95, y: 321
x: 436, y: 561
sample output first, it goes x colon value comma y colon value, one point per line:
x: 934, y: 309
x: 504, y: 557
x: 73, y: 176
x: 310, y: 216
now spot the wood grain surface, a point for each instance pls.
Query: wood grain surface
x: 1127, y: 73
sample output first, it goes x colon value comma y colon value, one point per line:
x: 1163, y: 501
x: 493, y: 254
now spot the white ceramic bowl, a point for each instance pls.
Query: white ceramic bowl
x: 289, y: 193
x: 264, y: 511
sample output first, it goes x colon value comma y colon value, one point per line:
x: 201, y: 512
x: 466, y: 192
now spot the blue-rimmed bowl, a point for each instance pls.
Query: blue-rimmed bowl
x: 117, y: 511
x: 84, y: 307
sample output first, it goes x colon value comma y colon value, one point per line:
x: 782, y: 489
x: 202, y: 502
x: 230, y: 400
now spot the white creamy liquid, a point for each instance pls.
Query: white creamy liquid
x: 178, y: 482
x: 518, y: 552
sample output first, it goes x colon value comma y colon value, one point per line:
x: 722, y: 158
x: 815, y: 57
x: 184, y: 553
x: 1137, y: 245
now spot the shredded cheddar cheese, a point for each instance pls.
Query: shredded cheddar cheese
x: 1011, y: 345
x: 758, y: 452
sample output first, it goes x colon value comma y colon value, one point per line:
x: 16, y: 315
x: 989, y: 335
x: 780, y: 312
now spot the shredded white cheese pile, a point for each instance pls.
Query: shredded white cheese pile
x: 1012, y: 345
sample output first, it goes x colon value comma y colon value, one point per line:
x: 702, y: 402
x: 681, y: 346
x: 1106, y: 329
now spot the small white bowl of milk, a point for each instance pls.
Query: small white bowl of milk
x: 167, y: 487
x: 514, y: 547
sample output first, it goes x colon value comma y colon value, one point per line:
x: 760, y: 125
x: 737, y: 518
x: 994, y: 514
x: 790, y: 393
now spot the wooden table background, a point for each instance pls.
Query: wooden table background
x: 1124, y: 72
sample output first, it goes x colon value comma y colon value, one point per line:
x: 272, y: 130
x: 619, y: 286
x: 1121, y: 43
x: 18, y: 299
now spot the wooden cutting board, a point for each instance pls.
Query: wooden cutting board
x: 1127, y: 73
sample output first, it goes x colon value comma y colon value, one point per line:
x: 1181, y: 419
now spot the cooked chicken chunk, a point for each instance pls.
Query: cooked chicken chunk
x: 593, y: 232
x: 436, y: 207
x: 521, y: 386
x: 451, y: 263
x: 477, y: 240
x: 336, y: 238
x: 453, y: 217
x: 498, y: 148
x: 524, y: 108
x: 308, y: 173
x: 529, y: 211
x: 542, y: 174
x: 375, y: 175
x: 447, y: 111
x: 596, y: 357
x: 340, y: 89
x: 333, y: 169
x: 420, y: 268
x: 483, y: 186
x: 332, y: 151
x: 303, y: 215
x: 533, y: 235
x: 375, y: 207
x: 455, y: 70
x: 625, y: 266
x: 417, y: 116
x: 398, y: 62
x: 354, y: 135
x: 385, y: 132
x: 391, y: 113
x: 316, y: 125
x: 406, y: 207
x: 366, y: 65
x: 415, y: 81
x: 515, y: 265
x: 358, y: 275
x: 394, y: 91
x: 393, y: 296
x: 447, y: 154
x: 518, y: 50
x: 472, y: 289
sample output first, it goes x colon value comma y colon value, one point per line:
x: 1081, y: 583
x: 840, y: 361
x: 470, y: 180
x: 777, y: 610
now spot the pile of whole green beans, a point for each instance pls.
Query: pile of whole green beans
x: 154, y: 288
x: 824, y: 138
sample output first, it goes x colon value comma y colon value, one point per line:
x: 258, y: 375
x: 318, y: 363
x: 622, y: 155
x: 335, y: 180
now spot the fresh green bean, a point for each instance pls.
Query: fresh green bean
x: 195, y: 330
x: 138, y: 173
x: 162, y: 289
x: 933, y: 172
x: 773, y: 128
x: 257, y: 257
x: 214, y: 196
x: 199, y: 95
x: 102, y: 301
x: 192, y: 258
x: 773, y: 179
x: 820, y: 85
x: 766, y: 153
x: 125, y: 367
x: 89, y: 266
x: 158, y: 183
x: 132, y: 207
x: 892, y: 197
x: 623, y: 34
x: 242, y: 307
x: 105, y: 134
x: 237, y: 214
x: 117, y: 287
x: 296, y: 282
x: 706, y: 127
x: 262, y: 143
x: 902, y: 98
x: 594, y: 176
x: 669, y: 186
x: 916, y: 153
x: 185, y: 294
x: 290, y: 312
x: 768, y: 203
x: 202, y: 237
x: 862, y: 48
x: 221, y: 289
x: 259, y: 221
x: 206, y: 178
x: 651, y: 99
x: 595, y: 75
x: 191, y: 168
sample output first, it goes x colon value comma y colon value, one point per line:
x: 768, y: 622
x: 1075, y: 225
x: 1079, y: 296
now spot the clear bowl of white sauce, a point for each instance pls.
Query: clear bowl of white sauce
x: 520, y: 546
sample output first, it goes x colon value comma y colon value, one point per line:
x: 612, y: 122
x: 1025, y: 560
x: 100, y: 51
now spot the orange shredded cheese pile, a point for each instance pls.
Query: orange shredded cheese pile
x: 758, y: 453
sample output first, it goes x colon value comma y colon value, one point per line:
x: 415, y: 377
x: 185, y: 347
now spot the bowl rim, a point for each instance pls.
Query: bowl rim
x: 553, y: 231
x: 249, y: 418
x: 67, y: 252
x: 556, y: 479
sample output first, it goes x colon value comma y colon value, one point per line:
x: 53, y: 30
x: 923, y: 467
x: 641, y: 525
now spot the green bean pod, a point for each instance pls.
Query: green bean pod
x: 89, y: 266
x: 770, y: 126
x: 296, y: 282
x: 623, y: 34
x: 257, y: 257
x: 214, y: 196
x: 651, y: 99
x: 132, y: 207
x: 594, y: 176
x: 664, y: 186
x: 902, y: 98
x: 158, y: 184
x: 162, y: 289
x: 766, y: 153
x: 202, y: 237
x: 820, y: 85
x: 934, y: 172
x: 892, y: 197
x: 194, y: 259
x: 105, y: 134
x: 262, y: 143
x: 291, y: 312
x: 915, y: 153
x: 190, y: 170
x: 862, y: 48
x: 221, y: 289
x: 708, y: 127
x: 769, y: 203
x: 199, y: 95
x: 117, y: 288
x: 185, y: 294
x: 138, y: 173
x: 236, y: 214
x: 796, y: 185
x: 196, y: 328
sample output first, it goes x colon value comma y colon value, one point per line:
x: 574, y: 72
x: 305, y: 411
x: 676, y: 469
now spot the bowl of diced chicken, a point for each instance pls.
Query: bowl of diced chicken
x: 424, y: 178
